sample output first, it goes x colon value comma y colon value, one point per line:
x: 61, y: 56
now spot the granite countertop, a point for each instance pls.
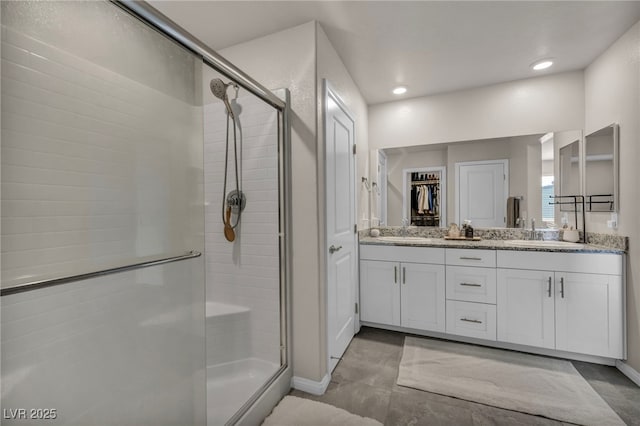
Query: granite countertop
x: 484, y: 244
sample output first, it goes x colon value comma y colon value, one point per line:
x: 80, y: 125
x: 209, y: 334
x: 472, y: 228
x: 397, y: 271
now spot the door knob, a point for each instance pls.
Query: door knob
x: 334, y: 249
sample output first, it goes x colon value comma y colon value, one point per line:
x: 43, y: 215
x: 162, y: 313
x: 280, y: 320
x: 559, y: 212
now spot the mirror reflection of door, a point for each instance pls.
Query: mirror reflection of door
x: 482, y: 188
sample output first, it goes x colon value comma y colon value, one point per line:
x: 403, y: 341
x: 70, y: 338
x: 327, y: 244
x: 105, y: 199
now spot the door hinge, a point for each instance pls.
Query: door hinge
x: 354, y: 149
x: 356, y: 308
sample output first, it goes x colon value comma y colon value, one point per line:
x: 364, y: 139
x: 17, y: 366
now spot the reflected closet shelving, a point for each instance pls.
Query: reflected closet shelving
x: 425, y: 198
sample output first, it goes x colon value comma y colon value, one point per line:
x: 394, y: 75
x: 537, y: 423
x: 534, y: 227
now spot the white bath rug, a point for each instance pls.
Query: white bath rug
x: 530, y: 384
x: 294, y: 411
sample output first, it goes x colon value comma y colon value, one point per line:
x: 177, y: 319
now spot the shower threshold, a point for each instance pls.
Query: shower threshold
x: 231, y: 384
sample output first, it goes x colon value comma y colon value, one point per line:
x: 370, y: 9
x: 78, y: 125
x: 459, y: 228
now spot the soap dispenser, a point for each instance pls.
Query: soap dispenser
x: 468, y: 229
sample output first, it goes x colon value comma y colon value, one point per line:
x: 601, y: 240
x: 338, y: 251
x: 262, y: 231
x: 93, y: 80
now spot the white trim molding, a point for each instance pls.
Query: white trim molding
x: 311, y: 386
x: 628, y: 371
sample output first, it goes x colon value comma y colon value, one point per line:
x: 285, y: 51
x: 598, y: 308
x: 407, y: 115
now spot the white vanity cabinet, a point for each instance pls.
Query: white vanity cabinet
x: 408, y: 293
x: 574, y: 305
x: 565, y: 303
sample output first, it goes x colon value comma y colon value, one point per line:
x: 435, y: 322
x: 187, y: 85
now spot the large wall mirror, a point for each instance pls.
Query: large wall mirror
x: 501, y: 182
x: 601, y: 170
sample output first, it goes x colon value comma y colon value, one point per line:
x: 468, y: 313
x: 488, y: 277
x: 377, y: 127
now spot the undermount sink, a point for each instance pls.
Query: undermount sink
x: 406, y: 239
x: 543, y: 244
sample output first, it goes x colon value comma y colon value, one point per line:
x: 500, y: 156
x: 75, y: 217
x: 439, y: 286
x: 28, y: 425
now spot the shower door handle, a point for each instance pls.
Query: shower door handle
x: 334, y: 249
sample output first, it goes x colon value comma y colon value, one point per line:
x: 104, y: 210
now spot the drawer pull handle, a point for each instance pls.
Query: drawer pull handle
x: 549, y: 288
x: 471, y: 320
x: 404, y: 275
x: 471, y: 285
x: 395, y: 274
x: 470, y: 258
x: 562, y: 287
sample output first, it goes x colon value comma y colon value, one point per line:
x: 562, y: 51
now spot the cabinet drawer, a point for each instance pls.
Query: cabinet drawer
x: 590, y: 263
x: 402, y: 253
x: 471, y: 257
x: 471, y: 319
x: 470, y: 284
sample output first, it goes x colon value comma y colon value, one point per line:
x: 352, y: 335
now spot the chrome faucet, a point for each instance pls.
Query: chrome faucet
x: 533, y: 234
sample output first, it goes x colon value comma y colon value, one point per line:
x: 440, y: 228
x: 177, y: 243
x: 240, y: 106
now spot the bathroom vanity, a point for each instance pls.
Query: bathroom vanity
x: 550, y: 298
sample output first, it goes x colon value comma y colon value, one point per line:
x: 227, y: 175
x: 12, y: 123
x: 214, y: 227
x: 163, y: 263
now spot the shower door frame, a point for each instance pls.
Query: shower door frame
x: 153, y: 18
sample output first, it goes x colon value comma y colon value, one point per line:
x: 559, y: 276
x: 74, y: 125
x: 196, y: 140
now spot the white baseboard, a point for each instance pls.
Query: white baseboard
x: 628, y: 371
x: 311, y: 386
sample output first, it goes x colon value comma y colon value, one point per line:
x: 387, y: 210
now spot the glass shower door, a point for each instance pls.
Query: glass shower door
x: 101, y: 169
x: 245, y: 344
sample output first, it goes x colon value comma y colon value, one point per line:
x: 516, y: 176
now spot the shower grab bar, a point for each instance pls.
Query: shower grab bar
x: 36, y: 285
x: 148, y: 13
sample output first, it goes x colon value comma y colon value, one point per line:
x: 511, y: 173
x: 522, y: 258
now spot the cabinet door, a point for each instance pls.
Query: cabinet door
x: 423, y: 296
x: 589, y: 314
x: 525, y: 307
x: 380, y: 292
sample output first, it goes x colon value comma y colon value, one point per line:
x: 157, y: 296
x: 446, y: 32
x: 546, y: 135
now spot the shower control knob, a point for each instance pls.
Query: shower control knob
x: 334, y: 249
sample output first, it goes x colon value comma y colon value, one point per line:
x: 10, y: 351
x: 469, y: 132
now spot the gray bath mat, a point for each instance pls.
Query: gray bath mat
x: 294, y: 411
x: 529, y: 384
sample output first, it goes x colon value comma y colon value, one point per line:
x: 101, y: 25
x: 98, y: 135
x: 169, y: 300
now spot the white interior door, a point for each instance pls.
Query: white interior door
x: 481, y: 189
x: 341, y: 226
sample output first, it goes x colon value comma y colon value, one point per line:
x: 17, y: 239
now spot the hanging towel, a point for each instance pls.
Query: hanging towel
x: 513, y: 211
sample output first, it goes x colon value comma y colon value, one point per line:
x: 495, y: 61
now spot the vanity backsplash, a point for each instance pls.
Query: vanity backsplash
x: 604, y: 240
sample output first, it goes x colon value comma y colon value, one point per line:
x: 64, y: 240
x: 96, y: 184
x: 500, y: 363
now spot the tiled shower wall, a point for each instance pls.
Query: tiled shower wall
x: 95, y: 165
x: 246, y: 272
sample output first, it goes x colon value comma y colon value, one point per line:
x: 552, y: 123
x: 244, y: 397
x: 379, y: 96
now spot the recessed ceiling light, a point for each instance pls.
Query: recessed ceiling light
x: 542, y: 65
x: 399, y: 90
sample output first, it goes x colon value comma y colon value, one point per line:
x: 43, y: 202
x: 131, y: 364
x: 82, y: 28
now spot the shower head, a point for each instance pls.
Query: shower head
x: 219, y: 90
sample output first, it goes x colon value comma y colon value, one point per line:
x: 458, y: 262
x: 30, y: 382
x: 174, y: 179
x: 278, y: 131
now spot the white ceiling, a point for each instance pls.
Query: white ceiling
x: 431, y: 47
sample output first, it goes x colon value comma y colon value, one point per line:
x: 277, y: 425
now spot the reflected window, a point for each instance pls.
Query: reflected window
x: 547, y: 199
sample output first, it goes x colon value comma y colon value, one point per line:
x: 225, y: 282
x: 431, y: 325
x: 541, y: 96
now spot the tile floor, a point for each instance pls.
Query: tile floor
x: 364, y: 383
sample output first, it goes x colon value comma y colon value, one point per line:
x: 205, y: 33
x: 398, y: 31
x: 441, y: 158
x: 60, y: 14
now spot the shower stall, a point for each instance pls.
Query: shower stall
x: 144, y: 247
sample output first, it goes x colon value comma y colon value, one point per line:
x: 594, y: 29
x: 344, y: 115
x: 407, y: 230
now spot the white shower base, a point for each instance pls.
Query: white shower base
x: 231, y: 384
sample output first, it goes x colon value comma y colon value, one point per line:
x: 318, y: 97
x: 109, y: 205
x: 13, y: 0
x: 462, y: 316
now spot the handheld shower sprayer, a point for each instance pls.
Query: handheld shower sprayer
x: 235, y: 200
x: 219, y: 90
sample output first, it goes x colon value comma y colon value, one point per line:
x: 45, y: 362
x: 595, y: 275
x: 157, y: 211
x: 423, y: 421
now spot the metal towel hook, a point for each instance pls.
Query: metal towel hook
x: 375, y: 187
x: 365, y: 182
